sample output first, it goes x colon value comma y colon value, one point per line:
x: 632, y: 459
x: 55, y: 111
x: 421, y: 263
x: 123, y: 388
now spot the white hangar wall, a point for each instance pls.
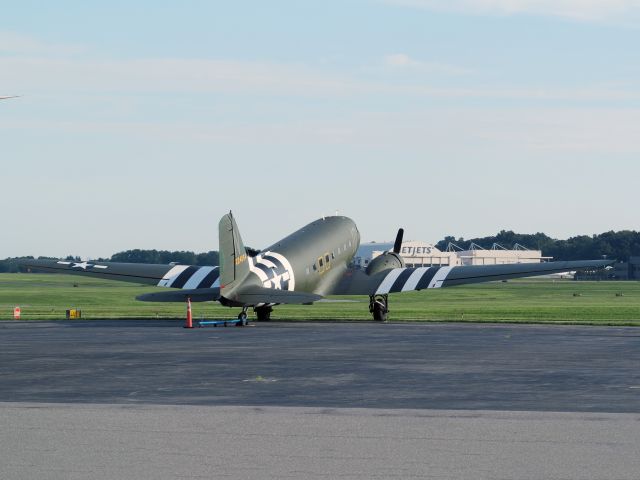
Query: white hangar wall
x: 422, y: 254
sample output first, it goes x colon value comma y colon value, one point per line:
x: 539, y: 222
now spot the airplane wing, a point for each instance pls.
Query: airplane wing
x: 357, y: 282
x: 188, y: 277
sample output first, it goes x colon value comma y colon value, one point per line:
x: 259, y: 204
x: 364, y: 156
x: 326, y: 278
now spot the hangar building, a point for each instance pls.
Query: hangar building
x: 421, y: 254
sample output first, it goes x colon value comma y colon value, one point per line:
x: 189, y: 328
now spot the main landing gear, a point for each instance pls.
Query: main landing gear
x: 379, y: 307
x: 263, y: 313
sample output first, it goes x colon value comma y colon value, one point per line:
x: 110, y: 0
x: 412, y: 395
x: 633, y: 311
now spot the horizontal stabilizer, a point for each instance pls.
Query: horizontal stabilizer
x: 195, y: 294
x: 253, y: 295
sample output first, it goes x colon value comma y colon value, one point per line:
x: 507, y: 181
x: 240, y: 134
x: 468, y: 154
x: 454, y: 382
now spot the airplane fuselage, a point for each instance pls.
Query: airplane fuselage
x: 310, y: 259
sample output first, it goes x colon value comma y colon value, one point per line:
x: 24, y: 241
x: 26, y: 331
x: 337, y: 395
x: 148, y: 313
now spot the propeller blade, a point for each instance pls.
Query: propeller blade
x: 398, y: 244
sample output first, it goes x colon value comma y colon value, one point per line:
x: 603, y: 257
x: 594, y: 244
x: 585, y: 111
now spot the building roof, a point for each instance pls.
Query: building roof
x: 366, y: 250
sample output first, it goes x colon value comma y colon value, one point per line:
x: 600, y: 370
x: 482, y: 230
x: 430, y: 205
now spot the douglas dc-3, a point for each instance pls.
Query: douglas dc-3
x: 302, y: 268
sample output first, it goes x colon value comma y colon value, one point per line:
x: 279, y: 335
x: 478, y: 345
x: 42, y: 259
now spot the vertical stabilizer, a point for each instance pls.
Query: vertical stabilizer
x: 234, y: 265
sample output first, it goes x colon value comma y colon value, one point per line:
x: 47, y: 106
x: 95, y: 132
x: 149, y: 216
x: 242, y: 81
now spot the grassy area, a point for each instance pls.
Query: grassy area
x: 539, y: 301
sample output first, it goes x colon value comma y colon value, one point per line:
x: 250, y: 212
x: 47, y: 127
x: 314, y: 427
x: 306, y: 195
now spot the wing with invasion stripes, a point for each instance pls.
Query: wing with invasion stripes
x: 189, y: 277
x: 357, y: 282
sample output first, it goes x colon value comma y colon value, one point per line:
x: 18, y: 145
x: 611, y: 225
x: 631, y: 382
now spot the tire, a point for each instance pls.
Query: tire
x: 380, y: 313
x: 263, y: 314
x: 243, y: 320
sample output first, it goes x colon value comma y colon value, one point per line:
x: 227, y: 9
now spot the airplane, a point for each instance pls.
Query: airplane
x: 302, y: 268
x: 9, y: 96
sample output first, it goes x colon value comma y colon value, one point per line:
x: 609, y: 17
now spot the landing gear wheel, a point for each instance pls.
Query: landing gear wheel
x: 263, y: 314
x: 242, y: 316
x: 379, y: 307
x: 379, y: 313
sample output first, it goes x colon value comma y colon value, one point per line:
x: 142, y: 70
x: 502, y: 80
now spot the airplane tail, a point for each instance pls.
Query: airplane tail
x: 234, y: 264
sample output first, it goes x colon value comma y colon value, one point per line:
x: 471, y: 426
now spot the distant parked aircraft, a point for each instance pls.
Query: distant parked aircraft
x: 302, y: 268
x: 9, y: 96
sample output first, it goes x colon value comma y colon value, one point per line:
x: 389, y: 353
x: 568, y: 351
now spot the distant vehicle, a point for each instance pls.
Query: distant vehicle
x: 10, y: 96
x: 302, y: 268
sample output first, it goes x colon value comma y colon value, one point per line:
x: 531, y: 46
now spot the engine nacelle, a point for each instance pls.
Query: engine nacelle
x: 385, y: 261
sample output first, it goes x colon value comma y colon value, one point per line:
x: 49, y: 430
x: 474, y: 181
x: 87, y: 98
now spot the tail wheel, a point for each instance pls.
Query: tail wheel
x: 242, y: 316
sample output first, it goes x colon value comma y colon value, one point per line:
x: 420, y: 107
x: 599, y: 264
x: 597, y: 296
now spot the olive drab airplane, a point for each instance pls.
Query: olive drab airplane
x: 311, y: 263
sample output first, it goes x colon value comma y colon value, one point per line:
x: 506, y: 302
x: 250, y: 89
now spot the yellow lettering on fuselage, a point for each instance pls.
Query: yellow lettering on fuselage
x: 241, y: 258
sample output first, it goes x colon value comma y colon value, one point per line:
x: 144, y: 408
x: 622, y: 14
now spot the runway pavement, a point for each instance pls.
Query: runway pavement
x: 125, y: 399
x: 437, y: 366
x: 86, y: 442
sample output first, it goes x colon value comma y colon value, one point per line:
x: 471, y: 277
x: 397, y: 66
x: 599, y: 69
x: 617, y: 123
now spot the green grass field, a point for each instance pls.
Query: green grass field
x: 533, y: 301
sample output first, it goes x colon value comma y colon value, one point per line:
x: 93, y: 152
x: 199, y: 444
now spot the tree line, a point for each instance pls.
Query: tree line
x: 210, y: 258
x: 612, y: 245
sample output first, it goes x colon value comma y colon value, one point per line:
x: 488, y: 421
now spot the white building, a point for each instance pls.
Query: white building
x: 421, y: 254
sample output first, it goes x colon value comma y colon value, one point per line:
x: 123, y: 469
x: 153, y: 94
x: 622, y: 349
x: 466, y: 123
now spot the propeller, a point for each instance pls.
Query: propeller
x: 398, y: 243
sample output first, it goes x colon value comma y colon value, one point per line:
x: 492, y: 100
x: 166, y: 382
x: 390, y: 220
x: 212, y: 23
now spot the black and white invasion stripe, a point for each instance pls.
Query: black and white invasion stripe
x: 190, y: 277
x: 407, y: 279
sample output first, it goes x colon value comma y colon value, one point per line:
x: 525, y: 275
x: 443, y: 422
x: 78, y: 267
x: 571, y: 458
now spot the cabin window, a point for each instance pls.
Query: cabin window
x: 320, y: 261
x: 314, y: 267
x: 333, y: 257
x: 326, y: 257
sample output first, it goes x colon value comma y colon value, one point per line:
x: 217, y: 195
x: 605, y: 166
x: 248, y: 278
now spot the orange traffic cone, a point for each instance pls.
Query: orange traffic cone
x: 189, y: 323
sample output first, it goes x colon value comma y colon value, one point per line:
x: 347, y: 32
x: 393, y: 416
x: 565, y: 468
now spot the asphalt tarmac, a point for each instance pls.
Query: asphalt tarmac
x: 153, y: 442
x: 151, y: 400
x: 352, y: 365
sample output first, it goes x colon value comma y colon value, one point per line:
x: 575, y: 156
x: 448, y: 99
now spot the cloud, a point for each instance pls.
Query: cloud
x: 52, y: 69
x: 167, y: 75
x: 12, y: 43
x: 402, y: 60
x: 585, y: 10
x: 80, y: 76
x: 46, y: 76
x: 488, y: 132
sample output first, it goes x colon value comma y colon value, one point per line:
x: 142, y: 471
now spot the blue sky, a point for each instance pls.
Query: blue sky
x: 140, y: 125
